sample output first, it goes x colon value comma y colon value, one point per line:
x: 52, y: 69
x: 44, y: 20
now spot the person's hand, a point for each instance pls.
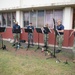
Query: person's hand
x: 42, y: 28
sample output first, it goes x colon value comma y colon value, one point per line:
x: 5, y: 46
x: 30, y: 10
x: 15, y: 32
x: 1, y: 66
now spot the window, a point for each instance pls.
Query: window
x: 40, y: 18
x: 26, y: 19
x: 58, y: 14
x: 33, y: 18
x: 50, y: 14
x: 13, y: 17
x: 9, y: 19
x: 4, y: 19
x: 49, y: 18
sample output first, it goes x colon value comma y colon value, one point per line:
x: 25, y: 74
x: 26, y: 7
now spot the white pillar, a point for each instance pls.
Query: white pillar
x: 21, y: 19
x: 18, y: 17
x: 67, y: 17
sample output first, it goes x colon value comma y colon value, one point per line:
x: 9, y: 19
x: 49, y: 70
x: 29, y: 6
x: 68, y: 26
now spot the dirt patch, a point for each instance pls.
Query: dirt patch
x: 66, y: 54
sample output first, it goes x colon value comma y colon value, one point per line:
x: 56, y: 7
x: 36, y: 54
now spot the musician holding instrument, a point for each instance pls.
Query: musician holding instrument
x: 30, y: 35
x: 45, y: 31
x: 60, y: 36
x: 16, y: 30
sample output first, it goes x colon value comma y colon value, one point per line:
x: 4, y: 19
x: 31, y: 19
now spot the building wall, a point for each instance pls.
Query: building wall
x: 68, y: 42
x: 9, y: 4
x: 36, y: 3
x: 68, y: 17
x: 26, y: 5
x: 45, y: 4
x: 16, y: 4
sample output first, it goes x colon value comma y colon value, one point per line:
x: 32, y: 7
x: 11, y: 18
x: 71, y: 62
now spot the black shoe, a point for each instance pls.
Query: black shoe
x: 19, y: 44
x: 13, y: 45
x: 32, y: 44
x: 44, y: 46
x: 57, y: 51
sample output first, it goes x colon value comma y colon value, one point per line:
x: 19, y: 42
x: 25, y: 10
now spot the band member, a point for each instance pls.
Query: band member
x: 46, y: 35
x: 30, y: 34
x: 73, y: 33
x: 60, y: 35
x: 16, y: 30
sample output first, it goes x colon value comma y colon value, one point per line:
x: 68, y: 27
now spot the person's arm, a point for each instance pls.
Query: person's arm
x: 50, y: 29
x: 71, y: 33
x: 42, y: 30
x: 20, y: 29
x: 62, y: 29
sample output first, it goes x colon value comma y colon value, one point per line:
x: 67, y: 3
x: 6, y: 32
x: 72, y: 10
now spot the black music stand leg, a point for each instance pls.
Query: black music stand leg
x: 28, y: 46
x: 46, y: 44
x: 17, y: 46
x: 2, y: 43
x: 54, y: 47
x: 53, y: 53
x: 38, y: 47
x: 3, y: 46
x: 38, y: 43
x: 28, y: 43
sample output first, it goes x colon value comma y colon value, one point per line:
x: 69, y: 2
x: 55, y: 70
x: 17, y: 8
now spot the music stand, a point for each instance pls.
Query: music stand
x: 28, y: 31
x: 56, y: 33
x: 2, y: 29
x: 38, y: 31
x: 46, y: 31
x: 17, y: 31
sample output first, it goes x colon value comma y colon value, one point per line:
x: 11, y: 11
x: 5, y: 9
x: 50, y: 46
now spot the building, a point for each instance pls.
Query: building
x: 39, y: 12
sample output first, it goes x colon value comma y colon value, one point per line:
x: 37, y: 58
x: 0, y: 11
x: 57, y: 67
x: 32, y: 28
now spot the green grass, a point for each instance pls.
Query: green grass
x: 13, y: 64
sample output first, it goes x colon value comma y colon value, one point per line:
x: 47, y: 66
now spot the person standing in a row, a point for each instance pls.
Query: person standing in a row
x: 60, y: 35
x: 45, y: 31
x: 30, y: 34
x: 16, y: 30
